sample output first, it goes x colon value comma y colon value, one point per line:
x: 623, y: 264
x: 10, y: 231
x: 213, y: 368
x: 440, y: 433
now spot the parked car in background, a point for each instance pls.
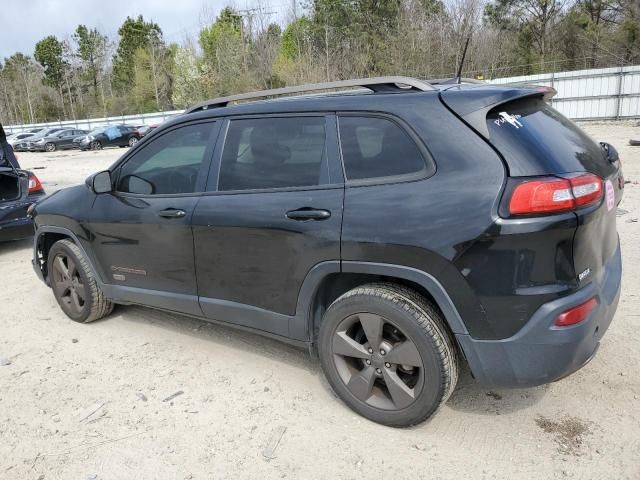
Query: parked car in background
x: 61, y: 140
x: 145, y: 130
x: 19, y: 189
x: 18, y: 137
x: 110, y: 136
x: 28, y: 143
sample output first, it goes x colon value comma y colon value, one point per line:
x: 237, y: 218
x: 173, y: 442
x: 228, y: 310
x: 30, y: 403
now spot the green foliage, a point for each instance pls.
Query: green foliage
x: 92, y: 47
x: 295, y: 38
x: 48, y: 53
x: 134, y: 34
x: 333, y: 39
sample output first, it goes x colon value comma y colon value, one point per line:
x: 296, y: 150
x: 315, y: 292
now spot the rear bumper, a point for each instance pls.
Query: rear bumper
x: 541, y: 352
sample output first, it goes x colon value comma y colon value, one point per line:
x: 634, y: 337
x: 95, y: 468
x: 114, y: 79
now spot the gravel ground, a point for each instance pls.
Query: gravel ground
x: 149, y: 395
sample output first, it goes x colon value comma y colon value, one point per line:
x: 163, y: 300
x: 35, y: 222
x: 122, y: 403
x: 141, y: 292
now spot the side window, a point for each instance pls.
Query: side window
x: 273, y: 153
x: 169, y: 164
x: 374, y: 147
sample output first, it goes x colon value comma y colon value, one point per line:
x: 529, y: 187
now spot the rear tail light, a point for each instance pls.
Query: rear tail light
x: 576, y: 314
x: 34, y: 184
x: 554, y: 194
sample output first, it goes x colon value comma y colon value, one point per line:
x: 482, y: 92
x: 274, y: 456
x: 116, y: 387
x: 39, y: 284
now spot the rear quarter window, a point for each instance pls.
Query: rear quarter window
x: 376, y: 147
x: 536, y: 139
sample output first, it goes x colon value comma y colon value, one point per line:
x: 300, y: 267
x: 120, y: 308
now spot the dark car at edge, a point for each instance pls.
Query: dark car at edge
x: 19, y: 190
x: 397, y: 231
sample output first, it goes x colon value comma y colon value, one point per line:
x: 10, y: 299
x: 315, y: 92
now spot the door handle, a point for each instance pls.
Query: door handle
x: 308, y: 213
x: 172, y: 213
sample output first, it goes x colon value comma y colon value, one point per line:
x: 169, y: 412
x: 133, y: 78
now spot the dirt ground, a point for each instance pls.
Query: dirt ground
x: 94, y: 401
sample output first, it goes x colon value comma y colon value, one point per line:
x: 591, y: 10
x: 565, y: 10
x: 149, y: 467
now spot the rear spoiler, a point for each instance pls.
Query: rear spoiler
x: 473, y: 104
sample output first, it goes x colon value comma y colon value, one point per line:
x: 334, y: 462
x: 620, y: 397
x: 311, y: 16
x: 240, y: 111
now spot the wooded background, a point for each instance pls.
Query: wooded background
x: 268, y: 45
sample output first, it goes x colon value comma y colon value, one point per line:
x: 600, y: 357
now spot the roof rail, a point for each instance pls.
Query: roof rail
x: 453, y: 81
x: 376, y: 84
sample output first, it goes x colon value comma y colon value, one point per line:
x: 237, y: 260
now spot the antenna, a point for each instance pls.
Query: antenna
x: 464, y: 54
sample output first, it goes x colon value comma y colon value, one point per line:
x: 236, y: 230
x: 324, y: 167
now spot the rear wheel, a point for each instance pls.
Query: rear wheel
x: 50, y: 147
x: 387, y: 354
x: 133, y: 141
x: 74, y: 285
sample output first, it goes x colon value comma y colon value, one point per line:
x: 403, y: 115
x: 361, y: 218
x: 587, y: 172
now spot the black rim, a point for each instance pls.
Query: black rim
x: 69, y: 286
x: 377, y: 361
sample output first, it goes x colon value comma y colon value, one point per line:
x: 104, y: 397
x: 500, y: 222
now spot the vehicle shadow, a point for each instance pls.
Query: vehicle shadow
x: 468, y: 397
x: 471, y: 397
x: 219, y: 334
x: 7, y: 248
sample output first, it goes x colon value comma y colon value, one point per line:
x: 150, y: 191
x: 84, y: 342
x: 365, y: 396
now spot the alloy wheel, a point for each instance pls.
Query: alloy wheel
x: 69, y: 284
x: 133, y: 141
x: 378, y: 363
x: 50, y: 147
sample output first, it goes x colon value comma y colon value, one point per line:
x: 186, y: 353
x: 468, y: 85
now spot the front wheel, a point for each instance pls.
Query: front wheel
x: 50, y: 147
x: 96, y: 145
x: 74, y: 285
x: 387, y: 354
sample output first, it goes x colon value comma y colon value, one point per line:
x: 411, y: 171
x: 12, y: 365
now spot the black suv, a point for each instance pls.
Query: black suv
x: 397, y: 230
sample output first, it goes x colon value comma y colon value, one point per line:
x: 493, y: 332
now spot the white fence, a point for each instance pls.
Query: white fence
x: 603, y: 93
x: 91, y: 123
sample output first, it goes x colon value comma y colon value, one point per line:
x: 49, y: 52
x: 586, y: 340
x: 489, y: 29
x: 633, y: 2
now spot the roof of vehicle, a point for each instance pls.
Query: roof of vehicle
x: 468, y: 96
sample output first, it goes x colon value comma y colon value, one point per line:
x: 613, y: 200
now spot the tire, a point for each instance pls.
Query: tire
x: 90, y: 304
x: 133, y: 141
x: 96, y: 145
x: 50, y: 147
x: 371, y: 382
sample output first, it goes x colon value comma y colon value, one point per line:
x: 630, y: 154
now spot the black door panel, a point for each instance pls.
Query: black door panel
x: 145, y: 249
x: 254, y: 248
x: 248, y: 251
x: 142, y: 232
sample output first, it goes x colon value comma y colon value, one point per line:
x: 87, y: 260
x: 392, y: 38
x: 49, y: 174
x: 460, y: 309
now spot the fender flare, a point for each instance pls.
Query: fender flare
x: 62, y: 231
x: 300, y: 326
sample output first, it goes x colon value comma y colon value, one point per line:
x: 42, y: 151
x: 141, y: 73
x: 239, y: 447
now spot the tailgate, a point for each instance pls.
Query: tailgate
x: 536, y: 140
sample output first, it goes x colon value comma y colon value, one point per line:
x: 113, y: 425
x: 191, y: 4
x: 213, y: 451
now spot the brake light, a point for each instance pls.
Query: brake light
x: 34, y: 184
x: 553, y: 194
x: 576, y: 314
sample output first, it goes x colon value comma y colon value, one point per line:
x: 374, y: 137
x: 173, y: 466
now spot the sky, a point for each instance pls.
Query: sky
x: 25, y: 22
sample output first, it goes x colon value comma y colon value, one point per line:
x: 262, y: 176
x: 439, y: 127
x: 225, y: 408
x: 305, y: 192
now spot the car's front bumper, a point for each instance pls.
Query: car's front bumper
x: 541, y: 352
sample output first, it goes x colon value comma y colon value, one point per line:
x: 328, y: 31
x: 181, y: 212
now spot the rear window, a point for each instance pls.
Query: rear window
x: 536, y: 139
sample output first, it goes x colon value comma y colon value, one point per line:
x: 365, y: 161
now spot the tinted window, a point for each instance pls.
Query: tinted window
x: 169, y: 164
x: 374, y: 147
x: 273, y: 153
x: 536, y: 139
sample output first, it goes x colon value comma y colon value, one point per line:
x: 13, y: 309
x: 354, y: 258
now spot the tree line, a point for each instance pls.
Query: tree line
x: 89, y: 74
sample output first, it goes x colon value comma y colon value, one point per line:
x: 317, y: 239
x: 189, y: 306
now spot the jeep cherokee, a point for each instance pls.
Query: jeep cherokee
x: 397, y: 229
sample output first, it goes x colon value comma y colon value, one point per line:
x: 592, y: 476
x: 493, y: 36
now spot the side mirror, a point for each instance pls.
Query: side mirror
x: 610, y: 152
x: 100, y: 182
